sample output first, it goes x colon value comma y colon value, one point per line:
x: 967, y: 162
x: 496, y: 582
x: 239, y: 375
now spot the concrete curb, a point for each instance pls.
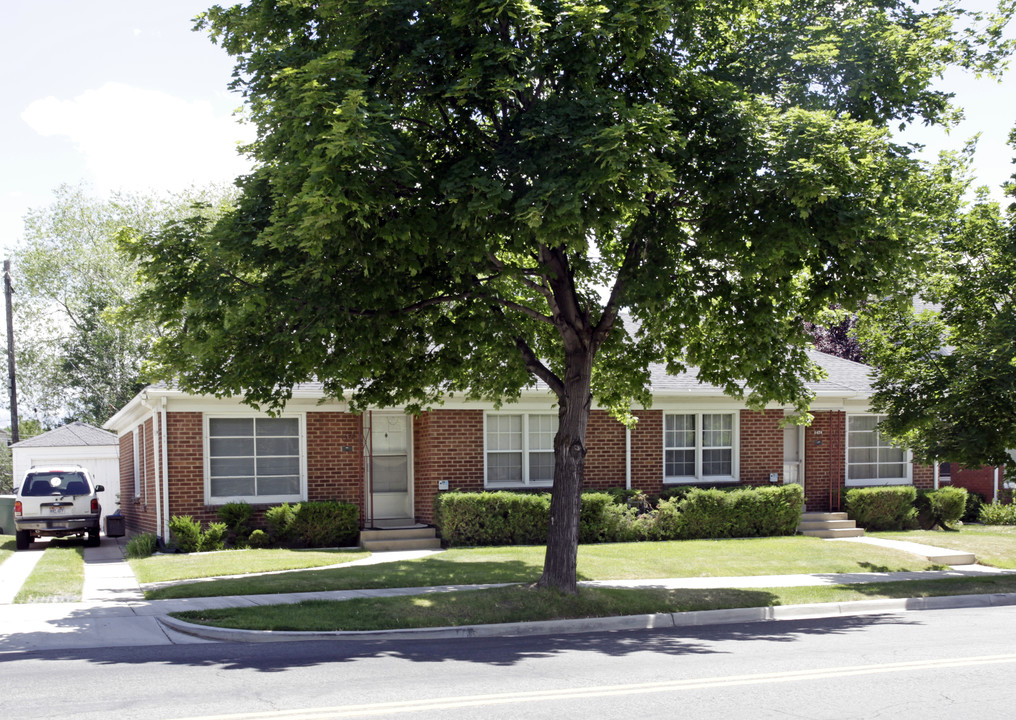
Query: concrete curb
x: 608, y: 624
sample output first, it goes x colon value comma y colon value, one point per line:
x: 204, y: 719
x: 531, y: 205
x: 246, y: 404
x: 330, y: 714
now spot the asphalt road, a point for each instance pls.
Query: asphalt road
x: 932, y: 664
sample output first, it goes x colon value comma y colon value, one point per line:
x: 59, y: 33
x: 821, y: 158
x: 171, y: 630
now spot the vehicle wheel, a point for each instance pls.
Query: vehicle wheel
x: 22, y: 539
x: 93, y: 538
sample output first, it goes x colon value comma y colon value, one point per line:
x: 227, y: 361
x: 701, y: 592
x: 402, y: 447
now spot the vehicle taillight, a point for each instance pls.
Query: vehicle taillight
x: 95, y: 505
x: 17, y: 508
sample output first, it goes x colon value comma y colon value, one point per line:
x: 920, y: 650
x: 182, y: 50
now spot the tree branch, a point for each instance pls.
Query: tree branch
x: 537, y: 368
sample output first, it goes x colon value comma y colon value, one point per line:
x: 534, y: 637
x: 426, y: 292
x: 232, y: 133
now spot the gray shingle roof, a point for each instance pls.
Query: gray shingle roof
x: 72, y: 435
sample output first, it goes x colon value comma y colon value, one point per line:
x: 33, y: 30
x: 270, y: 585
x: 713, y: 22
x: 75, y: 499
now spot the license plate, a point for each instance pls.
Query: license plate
x: 55, y: 510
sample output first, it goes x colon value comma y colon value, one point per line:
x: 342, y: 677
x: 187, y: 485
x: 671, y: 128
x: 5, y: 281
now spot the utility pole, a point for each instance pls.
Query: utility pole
x: 12, y: 383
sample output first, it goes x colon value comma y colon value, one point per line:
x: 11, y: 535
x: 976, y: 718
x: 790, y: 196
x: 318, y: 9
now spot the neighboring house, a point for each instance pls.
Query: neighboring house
x: 392, y: 465
x: 75, y: 444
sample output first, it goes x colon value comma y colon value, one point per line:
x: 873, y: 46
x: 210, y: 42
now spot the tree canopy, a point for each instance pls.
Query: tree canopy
x: 77, y: 360
x: 462, y: 197
x: 947, y: 361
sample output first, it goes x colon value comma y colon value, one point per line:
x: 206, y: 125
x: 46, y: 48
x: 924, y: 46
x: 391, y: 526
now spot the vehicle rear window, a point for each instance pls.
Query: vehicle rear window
x: 40, y: 484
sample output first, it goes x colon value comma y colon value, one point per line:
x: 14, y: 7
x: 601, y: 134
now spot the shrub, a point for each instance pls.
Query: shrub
x: 972, y: 512
x: 493, y: 518
x: 258, y: 539
x: 998, y: 514
x: 236, y: 516
x: 212, y: 538
x: 882, y: 508
x: 141, y: 546
x: 280, y: 522
x: 186, y: 533
x: 941, y: 507
x: 326, y: 523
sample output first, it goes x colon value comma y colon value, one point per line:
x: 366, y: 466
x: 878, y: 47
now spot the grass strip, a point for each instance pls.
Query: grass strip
x: 6, y: 547
x: 59, y: 576
x: 626, y: 561
x: 993, y: 545
x: 525, y: 603
x: 161, y: 568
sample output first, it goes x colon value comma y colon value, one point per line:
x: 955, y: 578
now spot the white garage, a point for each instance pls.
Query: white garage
x: 75, y: 444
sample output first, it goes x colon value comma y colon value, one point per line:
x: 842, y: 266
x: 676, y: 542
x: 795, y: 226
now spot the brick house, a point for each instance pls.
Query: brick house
x: 182, y: 454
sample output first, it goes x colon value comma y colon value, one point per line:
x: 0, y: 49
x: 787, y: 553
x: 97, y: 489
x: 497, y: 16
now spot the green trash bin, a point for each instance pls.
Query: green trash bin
x: 6, y: 514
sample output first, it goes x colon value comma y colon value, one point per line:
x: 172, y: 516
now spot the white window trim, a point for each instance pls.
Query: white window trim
x: 526, y: 482
x: 735, y: 455
x: 253, y: 499
x: 908, y: 462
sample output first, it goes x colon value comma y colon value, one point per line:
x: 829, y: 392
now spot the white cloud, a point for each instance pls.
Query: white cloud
x: 134, y: 139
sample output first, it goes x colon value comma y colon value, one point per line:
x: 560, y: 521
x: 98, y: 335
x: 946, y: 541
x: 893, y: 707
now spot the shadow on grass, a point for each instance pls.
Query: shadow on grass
x: 409, y: 573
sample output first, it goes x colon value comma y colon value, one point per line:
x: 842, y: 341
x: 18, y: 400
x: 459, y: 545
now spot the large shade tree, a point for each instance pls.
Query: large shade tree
x: 947, y: 379
x: 463, y: 196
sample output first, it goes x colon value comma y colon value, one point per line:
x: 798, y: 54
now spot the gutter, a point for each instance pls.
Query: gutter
x: 164, y: 433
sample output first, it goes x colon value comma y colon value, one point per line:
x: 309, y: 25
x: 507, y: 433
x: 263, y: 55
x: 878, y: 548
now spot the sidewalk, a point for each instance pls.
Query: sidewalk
x: 113, y: 612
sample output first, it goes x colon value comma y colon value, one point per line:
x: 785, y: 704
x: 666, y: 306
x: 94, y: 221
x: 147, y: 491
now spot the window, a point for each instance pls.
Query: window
x: 699, y: 446
x: 258, y: 459
x: 871, y: 458
x: 520, y: 449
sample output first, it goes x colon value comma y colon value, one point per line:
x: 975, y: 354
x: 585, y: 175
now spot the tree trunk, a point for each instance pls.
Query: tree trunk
x: 559, y: 567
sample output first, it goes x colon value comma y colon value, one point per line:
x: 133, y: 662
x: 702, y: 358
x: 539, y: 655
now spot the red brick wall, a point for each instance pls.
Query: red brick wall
x: 447, y: 445
x: 979, y: 480
x: 139, y: 512
x: 824, y: 458
x: 647, y: 452
x: 187, y: 466
x: 761, y: 446
x: 605, y: 460
x: 923, y: 477
x: 335, y: 464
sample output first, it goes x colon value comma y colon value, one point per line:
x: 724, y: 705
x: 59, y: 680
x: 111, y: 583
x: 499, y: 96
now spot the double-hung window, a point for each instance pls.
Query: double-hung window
x: 255, y: 459
x: 519, y: 449
x: 699, y: 447
x: 871, y: 458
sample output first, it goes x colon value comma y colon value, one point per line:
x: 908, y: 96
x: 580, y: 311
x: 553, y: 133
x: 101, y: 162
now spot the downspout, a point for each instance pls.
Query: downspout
x: 936, y: 474
x: 627, y: 458
x: 165, y: 468
x: 158, y: 495
x: 994, y: 498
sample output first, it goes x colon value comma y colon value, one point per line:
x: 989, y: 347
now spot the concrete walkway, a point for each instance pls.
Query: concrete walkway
x: 113, y: 613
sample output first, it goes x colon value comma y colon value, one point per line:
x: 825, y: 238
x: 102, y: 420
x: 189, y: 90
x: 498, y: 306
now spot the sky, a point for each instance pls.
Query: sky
x: 124, y: 95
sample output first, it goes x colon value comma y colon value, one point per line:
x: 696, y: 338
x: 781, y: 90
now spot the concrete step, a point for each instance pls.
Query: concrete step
x: 826, y: 525
x: 405, y: 544
x: 397, y: 533
x: 822, y: 516
x: 835, y: 532
x: 412, y: 538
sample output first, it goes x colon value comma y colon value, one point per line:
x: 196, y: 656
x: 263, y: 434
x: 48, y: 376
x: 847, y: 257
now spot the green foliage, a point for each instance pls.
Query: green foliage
x: 972, y: 512
x: 941, y: 508
x: 236, y: 516
x: 186, y: 533
x: 76, y: 356
x: 506, y: 518
x: 279, y: 519
x: 213, y: 537
x: 141, y: 546
x: 326, y: 523
x: 258, y: 539
x: 461, y: 180
x: 947, y: 363
x: 998, y: 514
x: 882, y: 508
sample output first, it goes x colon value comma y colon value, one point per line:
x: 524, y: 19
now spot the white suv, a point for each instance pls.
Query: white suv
x: 56, y: 501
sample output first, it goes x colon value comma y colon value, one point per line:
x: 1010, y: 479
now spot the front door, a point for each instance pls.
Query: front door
x: 793, y: 457
x: 389, y: 487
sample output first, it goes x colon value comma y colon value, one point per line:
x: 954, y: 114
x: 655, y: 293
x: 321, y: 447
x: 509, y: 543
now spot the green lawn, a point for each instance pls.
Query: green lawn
x: 523, y: 603
x: 993, y: 545
x: 6, y: 547
x: 160, y: 568
x: 468, y: 566
x: 59, y: 576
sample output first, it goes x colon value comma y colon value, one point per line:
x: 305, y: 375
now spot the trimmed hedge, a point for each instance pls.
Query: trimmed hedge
x: 507, y: 518
x: 882, y: 508
x: 325, y: 523
x: 941, y: 507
